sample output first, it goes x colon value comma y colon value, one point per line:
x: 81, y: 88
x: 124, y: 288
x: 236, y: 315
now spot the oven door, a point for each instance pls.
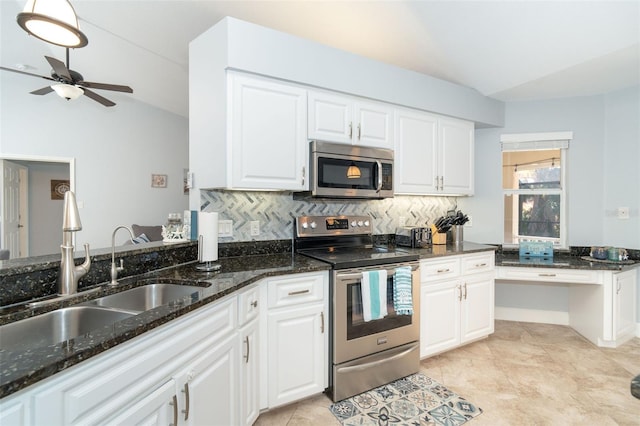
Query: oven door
x: 336, y: 175
x: 353, y: 337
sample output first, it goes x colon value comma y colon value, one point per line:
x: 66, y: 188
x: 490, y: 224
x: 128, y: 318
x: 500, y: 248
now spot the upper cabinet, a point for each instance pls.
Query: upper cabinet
x: 258, y: 141
x: 433, y: 154
x: 344, y: 119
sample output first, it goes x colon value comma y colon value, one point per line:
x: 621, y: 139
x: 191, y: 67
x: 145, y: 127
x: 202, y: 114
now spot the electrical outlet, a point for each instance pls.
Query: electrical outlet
x: 623, y: 212
x: 255, y: 228
x: 225, y: 228
x: 402, y: 221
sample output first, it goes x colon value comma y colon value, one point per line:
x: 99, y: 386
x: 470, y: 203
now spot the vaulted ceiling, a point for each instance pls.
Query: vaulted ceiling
x: 508, y: 50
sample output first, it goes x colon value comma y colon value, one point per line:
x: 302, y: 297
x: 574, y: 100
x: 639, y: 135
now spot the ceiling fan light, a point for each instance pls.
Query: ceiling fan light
x: 67, y: 91
x: 53, y: 21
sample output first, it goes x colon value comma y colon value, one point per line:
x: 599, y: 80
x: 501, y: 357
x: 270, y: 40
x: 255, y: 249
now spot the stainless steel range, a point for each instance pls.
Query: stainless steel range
x: 365, y: 352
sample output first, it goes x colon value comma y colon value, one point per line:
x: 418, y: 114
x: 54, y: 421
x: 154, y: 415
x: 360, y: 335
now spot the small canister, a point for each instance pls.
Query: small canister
x: 614, y: 253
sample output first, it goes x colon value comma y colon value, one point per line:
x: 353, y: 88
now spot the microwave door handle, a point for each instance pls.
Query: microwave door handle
x: 379, y: 176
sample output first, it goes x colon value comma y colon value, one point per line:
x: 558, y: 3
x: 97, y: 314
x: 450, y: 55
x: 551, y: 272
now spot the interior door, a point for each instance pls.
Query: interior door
x: 15, y: 231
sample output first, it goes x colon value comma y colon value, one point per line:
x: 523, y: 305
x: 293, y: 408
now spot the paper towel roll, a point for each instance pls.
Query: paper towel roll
x: 207, y: 236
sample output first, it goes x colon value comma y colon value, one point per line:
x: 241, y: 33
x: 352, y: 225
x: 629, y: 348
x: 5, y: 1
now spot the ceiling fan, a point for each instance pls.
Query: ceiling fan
x: 70, y: 84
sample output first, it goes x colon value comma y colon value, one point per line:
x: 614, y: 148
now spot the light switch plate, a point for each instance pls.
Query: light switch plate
x: 255, y: 228
x: 225, y: 228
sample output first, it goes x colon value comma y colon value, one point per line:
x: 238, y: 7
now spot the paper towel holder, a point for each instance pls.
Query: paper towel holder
x: 207, y: 265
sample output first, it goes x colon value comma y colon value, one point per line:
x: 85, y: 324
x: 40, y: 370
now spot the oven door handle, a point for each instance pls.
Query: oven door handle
x: 378, y: 362
x: 358, y: 275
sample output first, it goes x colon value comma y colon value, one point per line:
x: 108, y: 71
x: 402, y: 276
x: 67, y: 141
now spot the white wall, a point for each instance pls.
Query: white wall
x: 116, y: 151
x: 602, y: 174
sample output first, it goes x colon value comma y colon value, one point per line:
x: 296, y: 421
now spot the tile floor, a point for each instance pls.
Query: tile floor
x: 523, y: 374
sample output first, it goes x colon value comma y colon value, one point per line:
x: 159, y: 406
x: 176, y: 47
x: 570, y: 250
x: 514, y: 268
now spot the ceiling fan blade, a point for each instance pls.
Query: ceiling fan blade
x: 105, y: 86
x: 93, y: 95
x: 26, y: 73
x: 59, y: 68
x: 43, y: 91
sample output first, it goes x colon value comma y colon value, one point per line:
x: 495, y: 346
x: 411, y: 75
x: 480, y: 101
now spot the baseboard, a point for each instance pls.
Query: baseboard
x: 533, y: 315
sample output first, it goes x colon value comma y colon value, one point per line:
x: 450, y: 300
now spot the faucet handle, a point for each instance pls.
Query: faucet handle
x: 121, y: 267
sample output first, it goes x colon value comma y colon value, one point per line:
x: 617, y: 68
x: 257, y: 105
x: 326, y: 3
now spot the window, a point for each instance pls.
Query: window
x: 533, y: 183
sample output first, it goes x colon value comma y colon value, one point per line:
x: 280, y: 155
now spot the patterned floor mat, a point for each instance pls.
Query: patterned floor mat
x: 412, y: 400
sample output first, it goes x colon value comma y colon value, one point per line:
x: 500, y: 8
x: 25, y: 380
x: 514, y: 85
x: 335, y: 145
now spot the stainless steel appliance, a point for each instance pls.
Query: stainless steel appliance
x: 347, y: 171
x: 411, y: 236
x: 363, y: 354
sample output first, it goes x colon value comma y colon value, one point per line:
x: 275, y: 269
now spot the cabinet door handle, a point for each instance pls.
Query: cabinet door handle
x: 459, y: 292
x: 441, y: 183
x: 359, y: 131
x: 618, y: 287
x: 254, y: 303
x: 322, y: 322
x: 304, y: 171
x: 186, y: 398
x: 294, y: 293
x: 350, y: 130
x: 246, y: 357
x: 440, y: 271
x: 546, y: 275
x: 175, y: 410
x: 465, y: 291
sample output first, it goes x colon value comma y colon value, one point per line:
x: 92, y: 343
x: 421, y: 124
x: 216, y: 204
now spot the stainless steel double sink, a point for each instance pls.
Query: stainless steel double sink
x: 73, y: 321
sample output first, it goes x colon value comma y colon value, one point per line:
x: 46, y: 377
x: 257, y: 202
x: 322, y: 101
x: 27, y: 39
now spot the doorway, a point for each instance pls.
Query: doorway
x: 31, y: 216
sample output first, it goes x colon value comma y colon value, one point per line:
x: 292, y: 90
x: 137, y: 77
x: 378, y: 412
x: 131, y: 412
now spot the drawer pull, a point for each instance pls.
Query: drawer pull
x: 440, y: 271
x: 294, y: 293
x: 480, y: 265
x: 546, y: 275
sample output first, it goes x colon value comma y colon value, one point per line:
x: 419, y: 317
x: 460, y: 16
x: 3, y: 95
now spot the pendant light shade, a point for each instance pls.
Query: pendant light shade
x: 353, y: 172
x: 53, y: 21
x: 68, y: 91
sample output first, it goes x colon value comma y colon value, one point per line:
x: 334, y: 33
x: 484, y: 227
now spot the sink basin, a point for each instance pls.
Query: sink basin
x: 56, y: 326
x: 140, y: 299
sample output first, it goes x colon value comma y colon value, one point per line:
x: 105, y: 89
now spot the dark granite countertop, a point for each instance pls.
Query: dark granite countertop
x: 19, y: 369
x: 561, y: 260
x: 465, y: 247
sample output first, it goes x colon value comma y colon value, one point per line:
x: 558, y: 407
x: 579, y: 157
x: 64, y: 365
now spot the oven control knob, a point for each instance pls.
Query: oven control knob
x: 360, y: 223
x: 305, y: 225
x: 366, y: 223
x: 354, y: 224
x: 313, y: 225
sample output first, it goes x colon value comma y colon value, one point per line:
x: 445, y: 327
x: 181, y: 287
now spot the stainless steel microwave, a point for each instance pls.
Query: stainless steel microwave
x: 348, y: 171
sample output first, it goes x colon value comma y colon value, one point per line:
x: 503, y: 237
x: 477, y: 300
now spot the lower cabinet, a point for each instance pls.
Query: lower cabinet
x: 457, y: 301
x: 624, y: 304
x: 297, y: 337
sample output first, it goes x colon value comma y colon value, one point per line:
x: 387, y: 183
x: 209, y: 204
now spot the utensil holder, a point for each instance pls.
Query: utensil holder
x: 457, y: 234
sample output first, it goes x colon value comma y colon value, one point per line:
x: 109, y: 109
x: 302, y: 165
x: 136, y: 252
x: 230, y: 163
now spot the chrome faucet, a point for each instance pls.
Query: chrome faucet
x: 70, y: 274
x: 115, y: 269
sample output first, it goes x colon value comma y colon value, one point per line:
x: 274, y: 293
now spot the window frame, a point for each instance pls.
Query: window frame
x: 539, y: 142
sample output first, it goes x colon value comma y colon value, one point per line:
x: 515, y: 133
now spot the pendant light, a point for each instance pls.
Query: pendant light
x: 53, y: 21
x: 353, y: 172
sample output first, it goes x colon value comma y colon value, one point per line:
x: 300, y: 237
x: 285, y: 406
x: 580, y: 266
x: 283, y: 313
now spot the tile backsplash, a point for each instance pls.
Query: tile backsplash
x: 276, y: 211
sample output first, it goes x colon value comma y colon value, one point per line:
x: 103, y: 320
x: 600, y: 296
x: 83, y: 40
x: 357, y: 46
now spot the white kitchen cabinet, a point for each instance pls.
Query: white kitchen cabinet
x: 159, y: 408
x: 268, y: 149
x: 248, y: 317
x: 624, y: 308
x: 350, y: 120
x: 208, y: 386
x: 457, y: 301
x: 249, y: 132
x: 14, y: 411
x: 433, y: 154
x: 297, y: 337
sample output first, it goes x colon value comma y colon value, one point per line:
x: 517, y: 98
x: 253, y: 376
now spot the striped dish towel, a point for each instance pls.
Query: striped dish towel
x: 374, y: 294
x: 402, y: 299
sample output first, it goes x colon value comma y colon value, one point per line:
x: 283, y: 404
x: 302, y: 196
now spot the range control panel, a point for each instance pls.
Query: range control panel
x: 321, y: 226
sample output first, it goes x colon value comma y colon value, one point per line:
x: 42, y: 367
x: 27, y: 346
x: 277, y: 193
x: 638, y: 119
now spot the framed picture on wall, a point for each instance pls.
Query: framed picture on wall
x: 158, y: 181
x: 58, y: 188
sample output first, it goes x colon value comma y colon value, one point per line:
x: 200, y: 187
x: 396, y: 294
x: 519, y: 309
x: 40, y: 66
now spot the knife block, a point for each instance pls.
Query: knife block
x: 438, y: 238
